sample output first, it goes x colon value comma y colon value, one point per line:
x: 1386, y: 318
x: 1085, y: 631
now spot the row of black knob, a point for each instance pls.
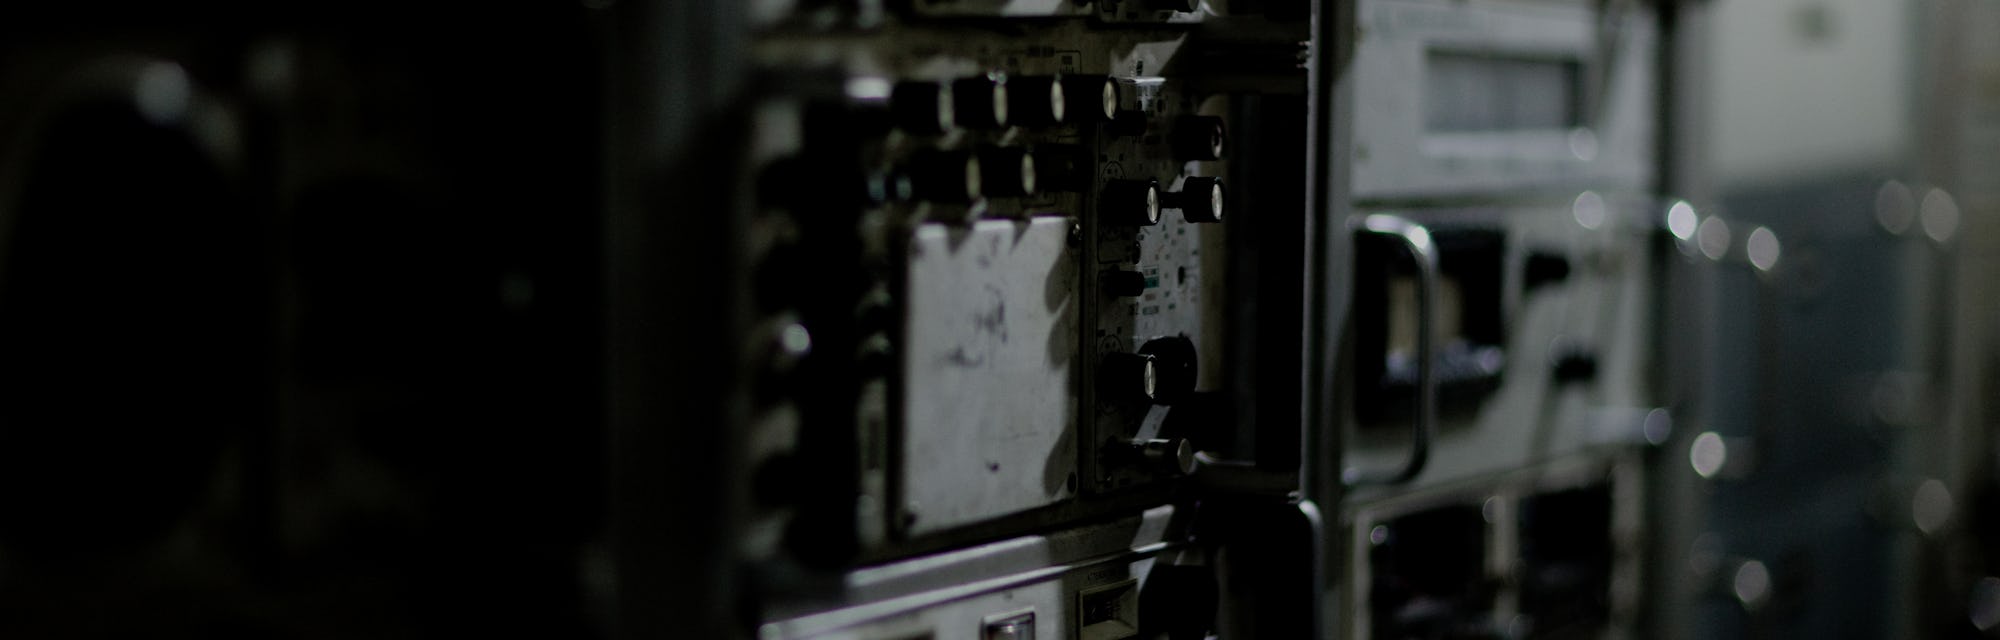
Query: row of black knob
x: 931, y: 175
x: 997, y: 101
x: 963, y: 176
x: 1143, y: 5
x: 960, y: 176
x: 1138, y: 202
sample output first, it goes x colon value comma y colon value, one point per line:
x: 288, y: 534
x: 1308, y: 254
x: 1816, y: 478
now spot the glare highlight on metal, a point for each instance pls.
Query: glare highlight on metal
x: 1658, y: 427
x: 1895, y: 207
x: 1762, y: 248
x: 1984, y: 604
x: 795, y: 339
x: 1681, y: 220
x: 1713, y: 238
x: 163, y: 93
x: 1939, y: 215
x: 1931, y: 507
x: 1588, y: 210
x: 1708, y: 454
x: 1752, y: 584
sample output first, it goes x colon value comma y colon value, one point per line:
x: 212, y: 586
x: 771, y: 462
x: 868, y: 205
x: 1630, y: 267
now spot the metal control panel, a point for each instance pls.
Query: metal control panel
x: 994, y: 250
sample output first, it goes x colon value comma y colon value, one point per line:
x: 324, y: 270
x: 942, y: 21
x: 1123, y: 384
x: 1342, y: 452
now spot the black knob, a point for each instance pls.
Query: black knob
x: 1200, y: 199
x: 1198, y: 138
x: 876, y: 311
x: 1130, y: 203
x: 923, y: 108
x: 1123, y: 284
x: 1036, y: 101
x: 945, y: 176
x: 789, y: 344
x: 1166, y: 456
x: 875, y: 357
x: 1063, y: 167
x: 1007, y: 172
x: 1544, y: 268
x: 1127, y: 123
x: 1129, y: 377
x: 1089, y: 98
x: 980, y: 102
x: 1178, y: 602
x: 1174, y: 358
x: 887, y: 186
x: 1575, y: 365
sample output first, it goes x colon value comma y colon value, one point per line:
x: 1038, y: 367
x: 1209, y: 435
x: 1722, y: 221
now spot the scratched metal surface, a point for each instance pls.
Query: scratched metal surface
x: 989, y: 416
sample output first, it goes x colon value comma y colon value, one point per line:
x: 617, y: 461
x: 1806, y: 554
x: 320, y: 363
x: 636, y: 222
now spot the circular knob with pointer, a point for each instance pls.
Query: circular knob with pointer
x: 1166, y: 456
x: 1007, y: 172
x: 1089, y: 99
x: 980, y: 102
x: 951, y: 176
x: 1132, y: 203
x: 1174, y: 361
x: 1129, y: 377
x: 1201, y: 199
x: 1198, y: 138
x: 1036, y: 101
x: 923, y: 108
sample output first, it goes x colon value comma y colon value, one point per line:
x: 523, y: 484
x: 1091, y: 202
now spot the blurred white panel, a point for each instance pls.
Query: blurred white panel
x: 1808, y: 87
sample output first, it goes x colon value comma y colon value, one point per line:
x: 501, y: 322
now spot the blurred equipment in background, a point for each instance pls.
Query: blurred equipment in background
x: 1507, y: 320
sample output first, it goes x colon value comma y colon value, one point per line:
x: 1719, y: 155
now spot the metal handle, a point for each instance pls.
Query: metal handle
x: 1417, y: 240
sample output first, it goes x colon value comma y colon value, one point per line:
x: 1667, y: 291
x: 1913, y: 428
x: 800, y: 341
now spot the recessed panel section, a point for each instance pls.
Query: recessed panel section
x: 1469, y: 324
x: 1429, y: 577
x: 1110, y: 612
x: 1467, y: 99
x: 1566, y: 562
x: 1467, y: 91
x: 989, y: 405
